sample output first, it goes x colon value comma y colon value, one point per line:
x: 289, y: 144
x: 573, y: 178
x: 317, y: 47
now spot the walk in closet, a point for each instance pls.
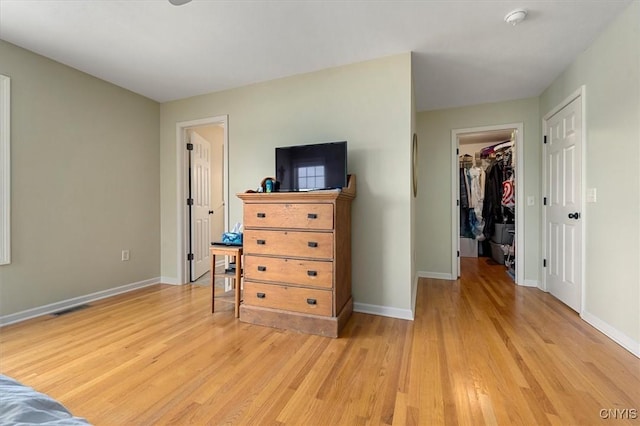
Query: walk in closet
x: 487, y: 165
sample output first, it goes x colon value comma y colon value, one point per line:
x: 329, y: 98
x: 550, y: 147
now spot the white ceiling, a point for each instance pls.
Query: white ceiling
x: 464, y: 53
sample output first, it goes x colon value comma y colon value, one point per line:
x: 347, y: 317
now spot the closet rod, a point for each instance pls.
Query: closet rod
x: 503, y: 145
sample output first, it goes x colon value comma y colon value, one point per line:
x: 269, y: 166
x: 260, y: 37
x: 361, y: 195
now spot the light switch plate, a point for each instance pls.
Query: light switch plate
x: 591, y: 195
x: 531, y: 200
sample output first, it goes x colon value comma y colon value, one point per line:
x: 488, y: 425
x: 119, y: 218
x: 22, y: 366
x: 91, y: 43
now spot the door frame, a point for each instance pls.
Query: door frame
x: 182, y: 227
x: 5, y: 170
x: 579, y: 93
x: 455, y: 189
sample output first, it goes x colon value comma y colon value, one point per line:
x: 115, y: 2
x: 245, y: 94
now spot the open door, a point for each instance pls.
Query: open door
x: 563, y: 206
x: 199, y: 204
x: 189, y: 238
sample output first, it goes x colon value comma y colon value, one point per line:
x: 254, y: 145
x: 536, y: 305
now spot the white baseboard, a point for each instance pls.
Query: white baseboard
x: 436, y: 275
x: 611, y: 332
x: 530, y: 283
x: 385, y: 311
x: 174, y: 280
x: 70, y: 303
x: 414, y: 295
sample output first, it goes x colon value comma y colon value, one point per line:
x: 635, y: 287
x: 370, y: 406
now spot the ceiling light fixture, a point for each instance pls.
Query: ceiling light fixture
x: 179, y: 2
x: 515, y: 16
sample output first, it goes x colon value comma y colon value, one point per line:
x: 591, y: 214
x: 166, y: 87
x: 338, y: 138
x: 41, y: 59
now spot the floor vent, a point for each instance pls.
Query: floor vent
x: 69, y: 310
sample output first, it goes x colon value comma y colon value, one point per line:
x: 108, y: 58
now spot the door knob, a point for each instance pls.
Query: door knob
x: 575, y: 215
x: 210, y: 211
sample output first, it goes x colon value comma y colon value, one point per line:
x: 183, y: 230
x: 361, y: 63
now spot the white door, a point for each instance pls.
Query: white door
x: 201, y: 195
x: 563, y: 227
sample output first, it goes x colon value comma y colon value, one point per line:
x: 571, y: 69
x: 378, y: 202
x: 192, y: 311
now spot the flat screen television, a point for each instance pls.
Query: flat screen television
x: 312, y: 167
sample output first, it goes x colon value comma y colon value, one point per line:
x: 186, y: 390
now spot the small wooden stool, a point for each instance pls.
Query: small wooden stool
x: 233, y: 251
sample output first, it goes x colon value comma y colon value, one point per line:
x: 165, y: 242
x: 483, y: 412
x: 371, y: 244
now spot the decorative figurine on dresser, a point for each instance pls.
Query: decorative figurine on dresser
x: 297, y: 259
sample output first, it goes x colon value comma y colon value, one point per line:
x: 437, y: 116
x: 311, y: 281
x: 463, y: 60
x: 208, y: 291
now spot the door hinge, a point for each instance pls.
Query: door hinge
x: 189, y: 256
x: 457, y: 151
x: 545, y: 139
x: 189, y: 201
x: 544, y: 201
x: 544, y: 263
x: 458, y: 253
x: 458, y: 203
x: 189, y: 147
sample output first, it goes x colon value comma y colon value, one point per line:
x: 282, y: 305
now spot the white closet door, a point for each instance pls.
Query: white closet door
x: 563, y: 226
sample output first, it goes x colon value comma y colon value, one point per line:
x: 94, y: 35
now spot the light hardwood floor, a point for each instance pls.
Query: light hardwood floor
x: 480, y: 351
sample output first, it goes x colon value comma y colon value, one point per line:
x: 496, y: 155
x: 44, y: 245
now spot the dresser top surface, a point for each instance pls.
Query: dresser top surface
x: 300, y: 197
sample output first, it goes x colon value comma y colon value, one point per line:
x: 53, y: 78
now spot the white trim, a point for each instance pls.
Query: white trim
x: 181, y: 189
x: 437, y: 275
x: 70, y: 303
x: 5, y: 170
x: 520, y: 203
x: 385, y: 311
x: 579, y: 93
x: 414, y: 294
x: 531, y: 283
x: 455, y: 196
x: 174, y: 280
x: 169, y: 280
x: 613, y: 333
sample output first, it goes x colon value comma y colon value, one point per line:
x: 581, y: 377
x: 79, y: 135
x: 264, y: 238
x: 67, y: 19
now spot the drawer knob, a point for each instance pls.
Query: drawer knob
x: 261, y: 215
x: 312, y: 273
x: 262, y: 268
x: 261, y: 295
x: 312, y: 216
x: 261, y: 242
x: 312, y: 244
x: 312, y: 301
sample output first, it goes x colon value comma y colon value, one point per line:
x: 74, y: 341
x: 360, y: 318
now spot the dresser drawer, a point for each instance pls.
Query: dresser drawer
x: 297, y: 299
x: 315, y: 245
x: 296, y: 216
x: 313, y: 273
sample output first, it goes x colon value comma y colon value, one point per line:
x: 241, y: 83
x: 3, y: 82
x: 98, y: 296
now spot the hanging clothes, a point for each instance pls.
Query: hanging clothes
x: 464, y: 197
x: 508, y: 193
x: 477, y: 189
x: 477, y: 177
x: 465, y: 226
x: 492, y: 205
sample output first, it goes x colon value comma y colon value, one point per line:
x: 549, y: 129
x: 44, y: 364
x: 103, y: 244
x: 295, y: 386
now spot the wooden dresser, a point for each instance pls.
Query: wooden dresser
x: 297, y: 260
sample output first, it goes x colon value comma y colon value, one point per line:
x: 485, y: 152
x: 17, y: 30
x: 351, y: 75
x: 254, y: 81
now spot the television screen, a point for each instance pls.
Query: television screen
x: 311, y: 167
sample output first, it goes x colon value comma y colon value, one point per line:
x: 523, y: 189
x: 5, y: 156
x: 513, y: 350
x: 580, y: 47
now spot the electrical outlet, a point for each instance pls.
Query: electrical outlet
x: 125, y: 255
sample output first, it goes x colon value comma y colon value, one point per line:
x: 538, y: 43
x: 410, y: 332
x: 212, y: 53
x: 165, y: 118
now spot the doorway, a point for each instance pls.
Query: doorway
x: 490, y: 226
x: 202, y: 195
x: 205, y: 146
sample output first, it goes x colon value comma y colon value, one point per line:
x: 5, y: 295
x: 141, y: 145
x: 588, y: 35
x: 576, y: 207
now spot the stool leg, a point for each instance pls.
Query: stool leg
x: 213, y: 281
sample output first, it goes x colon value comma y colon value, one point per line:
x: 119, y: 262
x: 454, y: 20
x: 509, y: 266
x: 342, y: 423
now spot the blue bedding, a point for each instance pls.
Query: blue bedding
x: 21, y: 405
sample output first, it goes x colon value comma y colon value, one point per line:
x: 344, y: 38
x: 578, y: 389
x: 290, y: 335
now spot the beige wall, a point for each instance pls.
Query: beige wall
x: 369, y: 105
x: 610, y: 71
x: 84, y: 184
x: 434, y: 244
